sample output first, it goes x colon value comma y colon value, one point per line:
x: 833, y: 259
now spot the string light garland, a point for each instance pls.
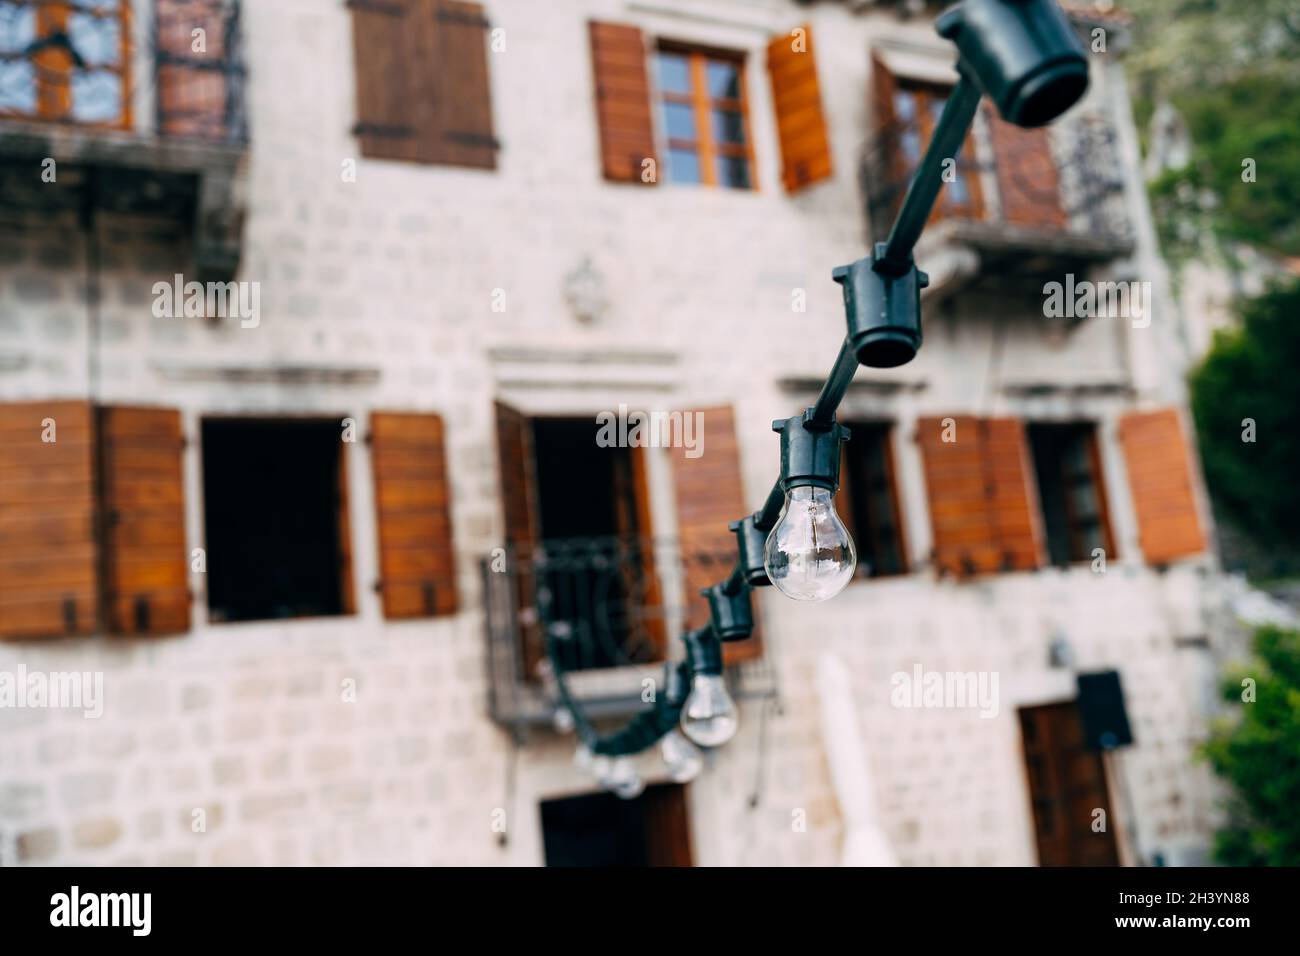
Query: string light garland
x: 1023, y: 55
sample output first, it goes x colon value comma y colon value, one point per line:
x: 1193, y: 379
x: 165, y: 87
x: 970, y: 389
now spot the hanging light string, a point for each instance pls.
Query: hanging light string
x: 1026, y: 57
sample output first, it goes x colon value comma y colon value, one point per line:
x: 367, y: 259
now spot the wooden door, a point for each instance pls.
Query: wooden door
x: 1067, y: 788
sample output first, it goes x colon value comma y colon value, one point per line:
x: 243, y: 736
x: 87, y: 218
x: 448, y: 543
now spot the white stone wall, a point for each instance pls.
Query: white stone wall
x: 395, y: 273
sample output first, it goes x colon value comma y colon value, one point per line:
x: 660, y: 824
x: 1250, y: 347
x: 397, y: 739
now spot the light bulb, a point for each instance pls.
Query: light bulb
x: 809, y: 555
x: 583, y: 757
x: 709, y: 717
x: 622, y: 778
x: 683, y: 758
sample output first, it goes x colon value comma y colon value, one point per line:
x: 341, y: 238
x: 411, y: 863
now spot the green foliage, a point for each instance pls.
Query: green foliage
x: 1233, y: 70
x: 1251, y: 373
x: 1258, y: 752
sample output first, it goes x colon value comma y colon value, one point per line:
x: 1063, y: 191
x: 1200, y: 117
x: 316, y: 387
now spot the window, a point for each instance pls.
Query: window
x: 702, y: 112
x: 868, y: 502
x: 275, y: 520
x: 65, y: 60
x: 1070, y: 491
x: 600, y: 829
x: 917, y: 107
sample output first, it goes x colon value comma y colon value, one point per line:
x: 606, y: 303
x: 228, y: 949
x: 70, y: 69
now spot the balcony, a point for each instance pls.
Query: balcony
x: 612, y: 607
x: 1022, y: 204
x: 140, y: 106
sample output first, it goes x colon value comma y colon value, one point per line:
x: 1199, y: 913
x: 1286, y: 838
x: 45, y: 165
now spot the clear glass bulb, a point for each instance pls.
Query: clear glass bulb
x: 809, y: 555
x: 709, y: 717
x: 683, y: 758
x: 622, y: 779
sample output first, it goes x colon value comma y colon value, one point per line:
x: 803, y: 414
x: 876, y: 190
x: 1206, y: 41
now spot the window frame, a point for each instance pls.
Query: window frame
x: 1088, y: 434
x: 706, y: 149
x: 927, y: 93
x: 851, y: 509
x: 53, y: 77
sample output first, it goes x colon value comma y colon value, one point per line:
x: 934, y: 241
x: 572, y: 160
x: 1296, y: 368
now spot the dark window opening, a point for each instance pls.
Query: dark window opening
x: 868, y: 501
x: 1070, y: 491
x: 592, y: 517
x: 601, y: 829
x: 272, y: 497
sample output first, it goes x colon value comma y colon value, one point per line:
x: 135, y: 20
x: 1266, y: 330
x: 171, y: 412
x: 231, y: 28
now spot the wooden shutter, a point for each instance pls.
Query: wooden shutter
x: 1027, y: 179
x: 423, y: 86
x: 636, y: 530
x: 462, y: 133
x: 522, y: 532
x: 710, y: 496
x: 667, y: 826
x: 979, y: 492
x: 1160, y: 479
x: 192, y: 86
x: 622, y: 100
x: 1011, y: 498
x: 385, y: 44
x: 805, y: 149
x: 145, y: 562
x: 48, y: 571
x: 886, y: 175
x: 417, y: 559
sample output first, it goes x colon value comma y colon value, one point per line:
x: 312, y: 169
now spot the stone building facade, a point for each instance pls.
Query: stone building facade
x: 446, y: 283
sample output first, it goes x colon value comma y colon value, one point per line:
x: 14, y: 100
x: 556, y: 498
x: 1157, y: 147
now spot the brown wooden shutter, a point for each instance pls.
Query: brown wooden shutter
x: 1028, y: 184
x: 710, y: 496
x: 423, y: 85
x: 886, y: 176
x: 522, y: 532
x: 1160, y: 479
x: 979, y: 492
x: 145, y: 562
x: 1012, y: 503
x: 805, y: 149
x: 385, y: 43
x: 48, y: 564
x: 192, y: 86
x: 417, y: 558
x: 636, y: 530
x: 462, y: 133
x: 623, y: 114
x: 667, y: 826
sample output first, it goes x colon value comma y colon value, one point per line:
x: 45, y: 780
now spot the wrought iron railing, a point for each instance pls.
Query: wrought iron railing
x: 112, y: 64
x: 1089, y: 189
x: 611, y: 607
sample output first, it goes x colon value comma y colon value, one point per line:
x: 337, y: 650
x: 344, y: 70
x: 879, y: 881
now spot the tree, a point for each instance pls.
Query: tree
x: 1232, y: 70
x: 1258, y: 753
x: 1246, y: 402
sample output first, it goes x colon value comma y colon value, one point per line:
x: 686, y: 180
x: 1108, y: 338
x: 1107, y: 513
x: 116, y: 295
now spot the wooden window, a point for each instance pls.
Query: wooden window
x: 1028, y: 187
x: 48, y: 560
x: 711, y: 495
x: 1160, y: 478
x: 66, y: 61
x: 801, y: 124
x: 703, y: 114
x: 1067, y: 784
x: 1071, y: 491
x: 197, y: 89
x: 868, y: 499
x: 423, y: 87
x: 417, y: 559
x: 279, y: 552
x: 907, y: 111
x: 627, y: 138
x: 145, y: 561
x: 977, y: 477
